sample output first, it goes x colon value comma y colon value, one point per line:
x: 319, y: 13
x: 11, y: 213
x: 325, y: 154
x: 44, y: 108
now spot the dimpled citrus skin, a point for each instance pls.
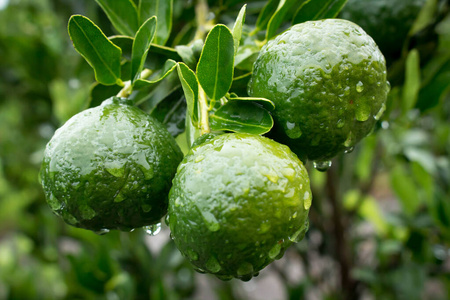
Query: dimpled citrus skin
x: 110, y: 167
x: 386, y: 21
x: 237, y: 202
x: 328, y: 82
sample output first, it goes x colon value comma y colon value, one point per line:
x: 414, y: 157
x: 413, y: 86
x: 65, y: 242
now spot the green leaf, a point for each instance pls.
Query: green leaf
x: 190, y: 87
x: 244, y: 117
x: 279, y: 16
x: 318, y: 9
x: 172, y: 112
x: 425, y: 17
x: 141, y: 45
x: 405, y: 189
x: 245, y: 57
x: 412, y: 81
x: 266, y: 13
x: 162, y: 9
x: 215, y: 67
x: 103, y: 56
x: 122, y: 14
x: 266, y: 103
x: 125, y: 43
x: 187, y: 55
x: 168, y: 67
x: 237, y: 28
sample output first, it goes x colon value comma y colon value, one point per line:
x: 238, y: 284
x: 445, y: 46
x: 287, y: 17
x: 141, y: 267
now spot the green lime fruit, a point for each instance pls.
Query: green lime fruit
x: 388, y: 22
x: 237, y: 202
x: 110, y: 167
x: 328, y: 82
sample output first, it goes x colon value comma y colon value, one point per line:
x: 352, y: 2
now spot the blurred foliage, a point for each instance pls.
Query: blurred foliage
x: 380, y: 222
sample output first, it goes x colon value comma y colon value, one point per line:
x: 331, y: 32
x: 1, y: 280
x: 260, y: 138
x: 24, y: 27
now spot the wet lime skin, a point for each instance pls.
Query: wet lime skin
x: 237, y: 202
x: 328, y: 82
x: 110, y: 167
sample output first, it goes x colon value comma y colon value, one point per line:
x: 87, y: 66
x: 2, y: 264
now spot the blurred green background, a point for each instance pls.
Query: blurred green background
x: 380, y: 221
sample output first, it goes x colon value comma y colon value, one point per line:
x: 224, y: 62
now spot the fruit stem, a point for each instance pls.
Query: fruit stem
x: 204, y: 111
x: 125, y: 92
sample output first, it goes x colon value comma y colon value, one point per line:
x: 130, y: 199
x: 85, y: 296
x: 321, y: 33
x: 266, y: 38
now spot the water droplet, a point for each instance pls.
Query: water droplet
x: 192, y: 254
x: 322, y: 166
x: 152, y: 229
x: 293, y: 130
x: 350, y: 141
x: 245, y: 269
x: 116, y: 172
x: 102, y: 231
x: 362, y: 112
x: 87, y: 212
x: 146, y: 208
x: 300, y: 234
x: 359, y: 87
x: 380, y: 112
x: 289, y: 173
x: 294, y: 215
x: 210, y: 221
x: 213, y: 265
x: 167, y: 220
x: 264, y: 228
x: 271, y: 175
x: 199, y: 270
x: 199, y: 158
x: 340, y: 123
x: 148, y: 172
x: 349, y: 150
x: 225, y: 277
x: 275, y: 251
x: 307, y: 198
x: 53, y: 202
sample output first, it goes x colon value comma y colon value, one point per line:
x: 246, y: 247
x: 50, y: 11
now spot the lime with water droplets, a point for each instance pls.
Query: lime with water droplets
x: 237, y: 202
x: 327, y: 79
x: 110, y: 167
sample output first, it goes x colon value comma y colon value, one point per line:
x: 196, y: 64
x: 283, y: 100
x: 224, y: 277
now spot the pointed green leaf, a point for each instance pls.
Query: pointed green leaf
x: 266, y: 13
x: 266, y: 103
x: 215, y: 67
x: 141, y: 45
x: 162, y: 9
x: 103, y: 56
x: 237, y: 28
x: 279, y: 16
x: 168, y: 67
x: 122, y: 14
x: 412, y: 81
x: 190, y: 87
x: 244, y: 117
x: 123, y: 42
x: 318, y: 9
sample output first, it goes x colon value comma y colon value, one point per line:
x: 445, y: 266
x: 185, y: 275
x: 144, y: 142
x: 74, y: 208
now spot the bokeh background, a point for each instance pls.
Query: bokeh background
x: 380, y: 221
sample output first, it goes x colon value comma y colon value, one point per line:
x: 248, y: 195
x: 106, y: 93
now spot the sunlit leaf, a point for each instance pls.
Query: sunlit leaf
x: 122, y: 14
x: 412, y: 81
x: 103, y: 56
x: 266, y: 13
x: 168, y: 67
x: 215, y: 67
x: 190, y: 87
x: 266, y: 103
x: 237, y: 28
x: 242, y: 116
x: 141, y: 45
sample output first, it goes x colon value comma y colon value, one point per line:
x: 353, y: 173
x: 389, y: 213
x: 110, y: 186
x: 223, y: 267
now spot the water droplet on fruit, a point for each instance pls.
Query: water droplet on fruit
x: 245, y: 269
x: 359, y: 87
x: 340, y: 123
x: 213, y: 265
x: 293, y: 130
x: 349, y: 150
x: 199, y: 158
x: 322, y: 166
x: 350, y: 141
x: 53, y: 202
x: 264, y: 228
x: 225, y: 277
x: 152, y: 229
x: 192, y: 254
x: 199, y: 270
x: 275, y: 251
x: 87, y: 212
x: 167, y: 220
x: 380, y: 112
x: 146, y: 208
x: 210, y: 221
x: 102, y: 231
x: 307, y: 199
x: 362, y: 112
